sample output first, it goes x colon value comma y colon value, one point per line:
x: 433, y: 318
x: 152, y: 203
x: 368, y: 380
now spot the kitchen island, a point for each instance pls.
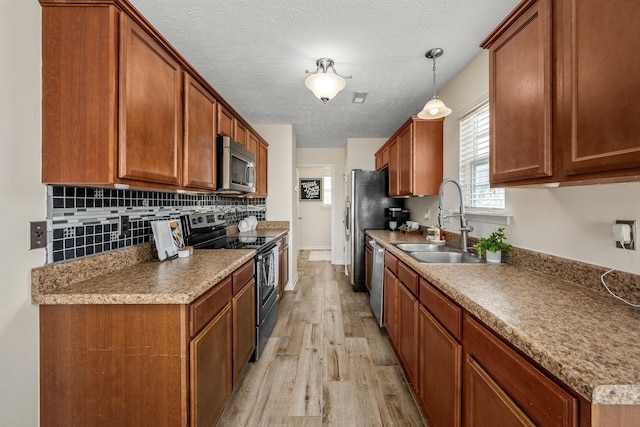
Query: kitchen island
x: 584, y: 338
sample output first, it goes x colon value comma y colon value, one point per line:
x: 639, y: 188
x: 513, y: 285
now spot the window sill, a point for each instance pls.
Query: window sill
x: 489, y: 216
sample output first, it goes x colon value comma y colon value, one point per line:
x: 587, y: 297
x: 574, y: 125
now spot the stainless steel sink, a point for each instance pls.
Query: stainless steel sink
x: 423, y: 247
x: 445, y: 257
x: 432, y: 253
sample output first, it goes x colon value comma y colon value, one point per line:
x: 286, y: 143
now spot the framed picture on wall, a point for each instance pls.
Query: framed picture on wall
x: 311, y: 189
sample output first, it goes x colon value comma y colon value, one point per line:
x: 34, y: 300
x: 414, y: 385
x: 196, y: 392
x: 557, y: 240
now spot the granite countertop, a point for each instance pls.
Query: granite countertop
x: 588, y: 340
x: 175, y: 281
x: 130, y: 276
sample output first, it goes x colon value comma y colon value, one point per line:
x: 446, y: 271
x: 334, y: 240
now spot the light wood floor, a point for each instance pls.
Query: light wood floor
x: 326, y: 363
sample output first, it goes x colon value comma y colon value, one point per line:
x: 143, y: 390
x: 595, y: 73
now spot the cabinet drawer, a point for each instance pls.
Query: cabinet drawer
x: 391, y: 262
x: 202, y: 310
x: 241, y: 276
x: 408, y: 277
x: 447, y: 313
x: 544, y: 401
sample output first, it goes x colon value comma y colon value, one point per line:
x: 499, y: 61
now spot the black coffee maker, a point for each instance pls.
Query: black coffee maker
x: 399, y: 216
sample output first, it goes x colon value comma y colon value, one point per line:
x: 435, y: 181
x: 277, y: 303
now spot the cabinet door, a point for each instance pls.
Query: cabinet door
x: 544, y: 401
x: 244, y: 328
x: 382, y: 158
x: 440, y: 372
x: 262, y: 173
x: 79, y: 94
x: 486, y: 404
x: 225, y: 121
x: 211, y: 370
x: 283, y: 261
x: 405, y: 160
x: 408, y: 333
x: 520, y: 97
x: 368, y: 262
x: 150, y: 109
x: 241, y: 133
x: 390, y: 309
x: 600, y: 106
x: 394, y: 169
x: 199, y: 136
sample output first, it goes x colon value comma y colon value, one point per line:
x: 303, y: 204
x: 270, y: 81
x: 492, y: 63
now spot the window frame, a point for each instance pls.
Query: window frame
x: 474, y: 152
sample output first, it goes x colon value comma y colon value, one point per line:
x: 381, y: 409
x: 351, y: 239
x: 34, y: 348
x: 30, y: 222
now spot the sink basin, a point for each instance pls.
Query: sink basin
x: 445, y: 257
x: 423, y: 247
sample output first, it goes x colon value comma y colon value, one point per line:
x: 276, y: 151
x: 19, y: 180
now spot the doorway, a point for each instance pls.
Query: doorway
x: 315, y: 207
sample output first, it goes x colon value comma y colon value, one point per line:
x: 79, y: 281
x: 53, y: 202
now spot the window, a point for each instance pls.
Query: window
x: 474, y: 161
x: 326, y: 190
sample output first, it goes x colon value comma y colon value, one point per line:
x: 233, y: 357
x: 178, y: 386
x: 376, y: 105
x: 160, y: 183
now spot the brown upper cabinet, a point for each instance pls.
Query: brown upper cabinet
x: 112, y: 101
x: 121, y: 106
x: 241, y: 134
x: 200, y: 109
x: 226, y: 122
x: 551, y: 77
x: 413, y: 156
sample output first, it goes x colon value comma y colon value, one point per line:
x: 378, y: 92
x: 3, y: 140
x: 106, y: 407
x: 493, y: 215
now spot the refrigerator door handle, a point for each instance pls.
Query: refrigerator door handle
x: 347, y: 220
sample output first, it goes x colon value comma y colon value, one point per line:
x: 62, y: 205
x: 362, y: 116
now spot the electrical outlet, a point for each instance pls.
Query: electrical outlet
x: 427, y: 215
x: 125, y: 227
x: 632, y: 244
x: 38, y: 234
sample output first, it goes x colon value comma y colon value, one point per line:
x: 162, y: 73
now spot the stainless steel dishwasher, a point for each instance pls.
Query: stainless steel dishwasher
x: 376, y: 294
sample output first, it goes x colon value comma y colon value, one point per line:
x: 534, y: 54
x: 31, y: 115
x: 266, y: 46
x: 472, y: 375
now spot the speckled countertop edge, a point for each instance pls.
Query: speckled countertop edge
x: 588, y: 341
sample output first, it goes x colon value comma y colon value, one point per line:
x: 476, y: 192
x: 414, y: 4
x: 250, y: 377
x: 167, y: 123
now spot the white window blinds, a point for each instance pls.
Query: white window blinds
x: 474, y: 161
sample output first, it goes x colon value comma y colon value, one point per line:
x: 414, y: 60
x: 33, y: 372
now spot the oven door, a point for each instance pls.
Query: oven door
x: 266, y: 280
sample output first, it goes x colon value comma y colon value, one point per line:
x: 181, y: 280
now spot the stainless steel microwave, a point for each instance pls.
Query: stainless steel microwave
x: 236, y: 167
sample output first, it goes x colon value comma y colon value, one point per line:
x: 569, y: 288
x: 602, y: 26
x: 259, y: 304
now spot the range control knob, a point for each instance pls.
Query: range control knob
x: 199, y: 219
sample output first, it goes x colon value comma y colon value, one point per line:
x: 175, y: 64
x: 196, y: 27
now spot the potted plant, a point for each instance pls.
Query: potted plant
x: 493, y: 246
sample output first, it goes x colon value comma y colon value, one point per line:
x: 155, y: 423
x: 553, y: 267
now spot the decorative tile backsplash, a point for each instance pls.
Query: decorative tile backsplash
x: 86, y: 221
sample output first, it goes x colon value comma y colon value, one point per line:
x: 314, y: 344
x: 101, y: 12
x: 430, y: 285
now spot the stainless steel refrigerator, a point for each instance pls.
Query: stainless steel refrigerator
x: 366, y: 210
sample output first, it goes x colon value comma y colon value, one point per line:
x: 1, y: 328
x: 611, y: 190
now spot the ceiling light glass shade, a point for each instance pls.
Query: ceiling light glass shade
x: 434, y: 109
x: 325, y: 86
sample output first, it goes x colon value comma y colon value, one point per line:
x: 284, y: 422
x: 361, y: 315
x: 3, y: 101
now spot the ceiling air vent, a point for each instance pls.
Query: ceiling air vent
x: 359, y: 97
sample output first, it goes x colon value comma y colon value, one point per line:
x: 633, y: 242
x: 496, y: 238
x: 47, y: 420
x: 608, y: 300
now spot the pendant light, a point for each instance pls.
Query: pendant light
x: 435, y: 108
x: 325, y: 86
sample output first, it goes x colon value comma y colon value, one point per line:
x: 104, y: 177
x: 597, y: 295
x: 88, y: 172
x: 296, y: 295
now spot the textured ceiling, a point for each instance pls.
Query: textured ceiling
x: 255, y: 53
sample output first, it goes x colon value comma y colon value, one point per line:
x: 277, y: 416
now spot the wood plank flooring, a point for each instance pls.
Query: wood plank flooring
x: 327, y: 362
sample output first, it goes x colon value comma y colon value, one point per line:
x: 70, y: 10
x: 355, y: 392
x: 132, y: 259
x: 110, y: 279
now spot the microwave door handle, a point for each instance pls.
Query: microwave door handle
x: 250, y: 174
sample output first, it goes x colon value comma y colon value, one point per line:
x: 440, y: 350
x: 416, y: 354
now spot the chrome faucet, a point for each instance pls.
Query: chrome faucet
x: 465, y: 228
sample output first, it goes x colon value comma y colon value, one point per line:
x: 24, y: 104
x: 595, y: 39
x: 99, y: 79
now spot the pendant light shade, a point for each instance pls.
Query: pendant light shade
x: 434, y: 108
x: 325, y: 85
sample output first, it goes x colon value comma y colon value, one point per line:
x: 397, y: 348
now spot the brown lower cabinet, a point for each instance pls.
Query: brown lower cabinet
x: 283, y: 264
x: 146, y: 364
x: 461, y: 372
x: 440, y: 371
x: 498, y: 379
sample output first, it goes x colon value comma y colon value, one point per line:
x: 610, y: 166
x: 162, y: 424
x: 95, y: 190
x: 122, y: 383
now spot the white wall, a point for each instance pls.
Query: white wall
x: 281, y: 179
x: 360, y: 152
x: 23, y: 200
x: 571, y: 222
x: 334, y: 157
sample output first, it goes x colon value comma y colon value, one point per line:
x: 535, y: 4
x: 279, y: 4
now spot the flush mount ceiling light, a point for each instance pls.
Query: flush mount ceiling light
x: 435, y: 108
x: 325, y: 86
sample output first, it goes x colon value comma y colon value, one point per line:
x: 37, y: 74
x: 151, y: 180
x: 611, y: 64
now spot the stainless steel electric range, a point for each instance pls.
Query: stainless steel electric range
x: 208, y: 231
